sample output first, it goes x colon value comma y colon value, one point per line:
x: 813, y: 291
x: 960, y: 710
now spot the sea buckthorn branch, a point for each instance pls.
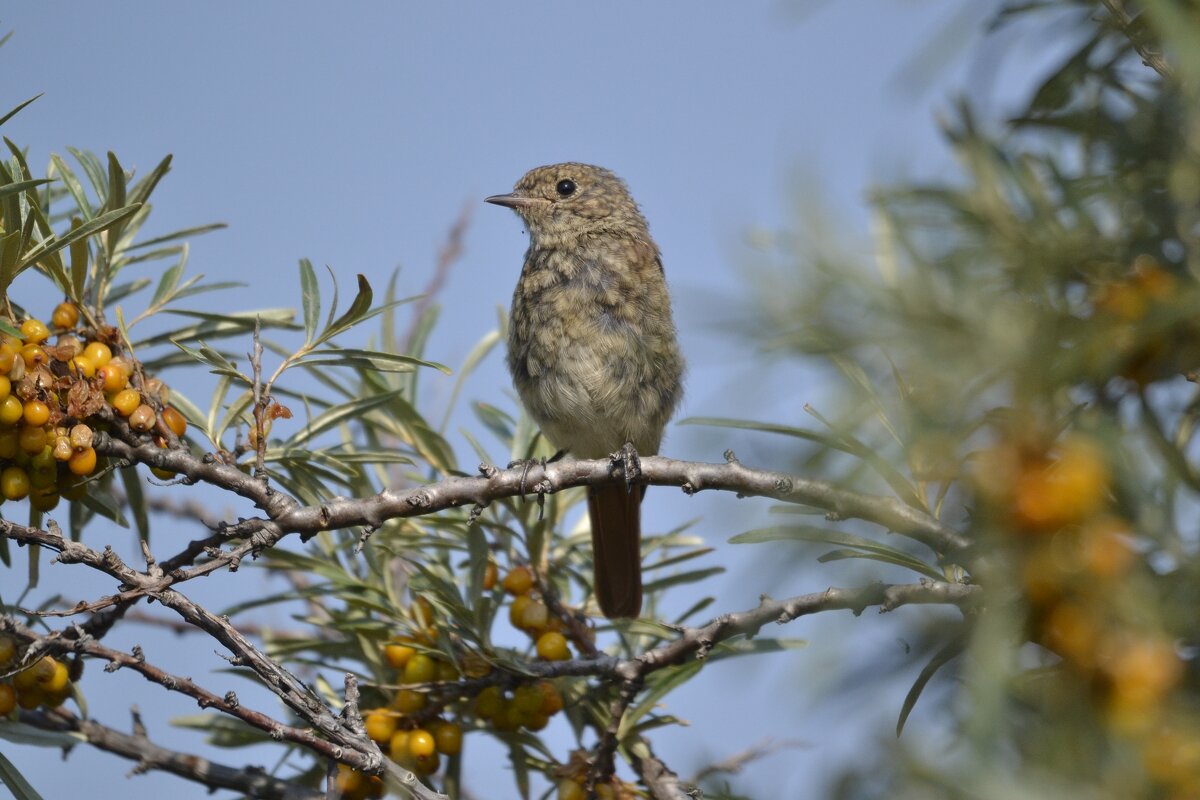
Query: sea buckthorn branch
x: 137, y: 746
x: 657, y: 776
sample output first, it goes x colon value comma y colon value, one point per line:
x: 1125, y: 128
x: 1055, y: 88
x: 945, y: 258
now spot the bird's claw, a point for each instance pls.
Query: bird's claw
x: 631, y: 464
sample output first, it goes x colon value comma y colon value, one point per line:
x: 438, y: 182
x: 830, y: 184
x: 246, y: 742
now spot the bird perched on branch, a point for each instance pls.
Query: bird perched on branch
x: 592, y: 347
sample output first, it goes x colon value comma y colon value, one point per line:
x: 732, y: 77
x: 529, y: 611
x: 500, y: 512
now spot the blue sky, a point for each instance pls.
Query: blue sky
x: 353, y: 134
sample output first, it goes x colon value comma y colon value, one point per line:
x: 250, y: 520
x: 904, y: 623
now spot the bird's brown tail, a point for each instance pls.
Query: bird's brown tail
x: 615, y: 513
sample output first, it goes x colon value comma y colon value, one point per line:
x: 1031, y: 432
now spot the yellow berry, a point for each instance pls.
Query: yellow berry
x: 398, y: 747
x: 535, y: 616
x: 552, y: 646
x: 396, y: 653
x: 8, y: 699
x: 421, y: 743
x: 66, y: 315
x: 97, y: 353
x: 126, y: 401
x: 10, y: 443
x: 83, y: 462
x: 34, y: 331
x: 427, y: 765
x: 570, y: 790
x: 32, y: 440
x: 142, y: 418
x: 518, y: 581
x: 445, y: 672
x: 33, y: 355
x: 44, y: 499
x: 489, y: 703
x: 516, y: 612
x: 36, y: 413
x: 490, y: 575
x: 5, y: 387
x: 528, y: 700
x: 448, y: 738
x: 407, y: 701
x: 11, y: 410
x: 380, y: 725
x: 419, y: 669
x: 57, y: 680
x: 84, y: 365
x: 604, y: 791
x: 14, y: 483
x: 8, y: 649
x: 175, y: 421
x: 8, y: 356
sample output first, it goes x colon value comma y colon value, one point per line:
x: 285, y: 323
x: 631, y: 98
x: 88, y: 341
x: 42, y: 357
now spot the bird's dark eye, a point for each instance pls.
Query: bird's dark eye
x: 565, y: 187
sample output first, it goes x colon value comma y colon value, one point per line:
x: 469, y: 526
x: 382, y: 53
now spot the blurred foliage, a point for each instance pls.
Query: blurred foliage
x: 1018, y: 359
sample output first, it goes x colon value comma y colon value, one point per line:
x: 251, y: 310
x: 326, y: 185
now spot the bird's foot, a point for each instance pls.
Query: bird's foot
x: 631, y: 464
x: 528, y: 463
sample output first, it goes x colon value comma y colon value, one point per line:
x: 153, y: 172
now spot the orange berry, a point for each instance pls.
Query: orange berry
x: 448, y: 738
x: 552, y: 646
x: 83, y: 462
x: 14, y: 483
x: 427, y: 765
x: 528, y: 700
x: 30, y: 699
x: 36, y: 413
x: 97, y: 353
x: 126, y: 401
x: 66, y: 315
x: 8, y: 699
x: 419, y: 669
x: 34, y: 331
x: 421, y: 743
x: 57, y: 680
x: 491, y: 574
x: 552, y: 699
x: 113, y: 376
x: 518, y: 581
x: 174, y: 421
x: 380, y: 725
x: 1065, y: 490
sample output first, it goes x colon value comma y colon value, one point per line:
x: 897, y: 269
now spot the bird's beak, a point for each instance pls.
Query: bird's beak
x: 514, y: 200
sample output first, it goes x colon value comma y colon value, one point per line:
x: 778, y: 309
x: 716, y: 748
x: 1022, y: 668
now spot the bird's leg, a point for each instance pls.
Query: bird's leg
x: 631, y: 464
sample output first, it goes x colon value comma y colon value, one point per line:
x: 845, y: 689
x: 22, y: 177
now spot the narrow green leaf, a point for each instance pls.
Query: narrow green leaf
x: 358, y: 307
x: 142, y: 189
x: 137, y: 501
x: 180, y: 234
x: 310, y: 297
x: 72, y: 184
x: 22, y: 186
x: 12, y: 113
x: 79, y: 261
x: 682, y: 578
x: 53, y: 245
x: 948, y: 652
x: 339, y: 414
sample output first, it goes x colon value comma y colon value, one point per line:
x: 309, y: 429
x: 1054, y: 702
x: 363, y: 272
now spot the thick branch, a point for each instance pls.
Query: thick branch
x: 249, y: 781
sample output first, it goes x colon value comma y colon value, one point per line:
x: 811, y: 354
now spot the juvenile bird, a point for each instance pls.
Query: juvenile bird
x: 592, y: 348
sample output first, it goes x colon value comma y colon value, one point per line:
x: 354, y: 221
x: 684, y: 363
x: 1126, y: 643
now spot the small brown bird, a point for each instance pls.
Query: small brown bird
x: 591, y: 346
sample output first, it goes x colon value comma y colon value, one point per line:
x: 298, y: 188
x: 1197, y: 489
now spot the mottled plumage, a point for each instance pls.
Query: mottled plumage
x: 591, y: 345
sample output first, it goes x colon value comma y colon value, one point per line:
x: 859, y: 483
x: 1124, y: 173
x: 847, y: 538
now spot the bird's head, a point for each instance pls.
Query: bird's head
x: 563, y: 201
